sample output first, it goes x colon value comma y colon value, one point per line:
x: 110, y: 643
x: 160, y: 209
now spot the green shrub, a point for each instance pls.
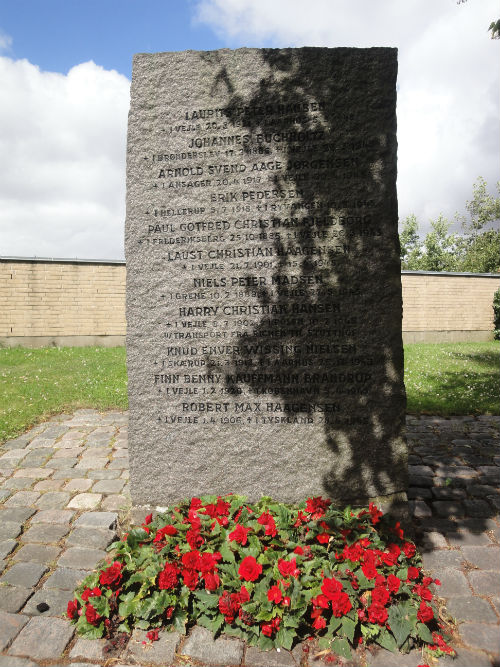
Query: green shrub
x: 496, y: 314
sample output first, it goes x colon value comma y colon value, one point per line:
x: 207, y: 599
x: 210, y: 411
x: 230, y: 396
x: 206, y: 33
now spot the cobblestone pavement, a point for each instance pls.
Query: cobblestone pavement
x: 64, y: 487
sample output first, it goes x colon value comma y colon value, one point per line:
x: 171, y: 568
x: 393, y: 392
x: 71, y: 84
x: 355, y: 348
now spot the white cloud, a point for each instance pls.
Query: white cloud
x: 62, y: 150
x: 448, y: 82
x: 5, y: 41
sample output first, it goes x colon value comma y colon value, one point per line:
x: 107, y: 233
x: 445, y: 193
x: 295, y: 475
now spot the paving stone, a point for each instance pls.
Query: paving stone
x: 485, y: 583
x: 465, y: 658
x: 97, y: 538
x: 383, y: 658
x: 9, y: 530
x: 468, y: 608
x: 419, y: 493
x: 476, y: 508
x: 78, y: 485
x: 92, y: 463
x: 18, y: 483
x: 45, y: 533
x: 419, y: 509
x: 433, y: 540
x: 53, y: 500
x: 455, y: 472
x: 23, y: 499
x: 68, y: 453
x: 478, y: 525
x: 56, y: 599
x: 37, y: 553
x: 35, y: 473
x: 53, y: 516
x: 118, y: 464
x: 43, y: 638
x: 18, y: 514
x: 254, y: 657
x: 420, y: 480
x: 92, y: 452
x: 13, y: 455
x: 70, y: 438
x: 103, y: 474
x: 161, y: 652
x: 485, y: 558
x: 6, y: 547
x: 24, y: 574
x: 201, y: 646
x: 35, y: 459
x: 479, y: 635
x: 125, y: 474
x: 87, y: 501
x: 17, y: 443
x: 4, y: 494
x: 108, y: 486
x: 441, y: 559
x: 448, y: 493
x: 453, y: 583
x: 65, y: 578
x: 447, y: 508
x: 115, y: 502
x: 69, y: 473
x: 495, y: 502
x: 13, y: 598
x: 81, y: 558
x: 10, y: 625
x: 11, y: 661
x: 97, y: 520
x: 54, y: 431
x: 88, y: 649
x: 48, y: 485
x: 63, y: 465
x: 490, y: 473
x: 466, y: 538
x: 420, y: 470
x: 41, y: 443
x: 119, y: 452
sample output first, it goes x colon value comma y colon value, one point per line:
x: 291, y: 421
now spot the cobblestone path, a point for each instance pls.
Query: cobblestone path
x: 64, y: 489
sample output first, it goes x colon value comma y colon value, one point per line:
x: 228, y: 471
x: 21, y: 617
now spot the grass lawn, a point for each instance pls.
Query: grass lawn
x: 441, y: 379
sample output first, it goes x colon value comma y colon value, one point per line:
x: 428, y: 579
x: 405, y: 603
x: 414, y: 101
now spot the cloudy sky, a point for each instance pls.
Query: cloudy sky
x: 65, y: 68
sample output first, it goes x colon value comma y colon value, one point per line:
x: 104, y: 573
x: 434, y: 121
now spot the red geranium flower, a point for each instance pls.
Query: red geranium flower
x: 409, y: 549
x: 317, y: 506
x: 393, y: 584
x: 153, y: 635
x: 425, y: 613
x: 375, y: 513
x: 377, y: 613
x: 212, y: 581
x: 166, y: 530
x: 191, y: 560
x: 274, y: 594
x: 288, y: 568
x: 249, y: 569
x: 266, y: 519
x: 330, y: 587
x: 72, y: 609
x: 413, y: 573
x: 91, y: 615
x: 111, y: 575
x: 168, y: 577
x: 190, y: 578
x: 239, y: 535
x: 194, y: 539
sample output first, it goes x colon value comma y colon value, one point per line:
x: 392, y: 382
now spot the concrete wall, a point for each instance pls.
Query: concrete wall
x: 71, y: 302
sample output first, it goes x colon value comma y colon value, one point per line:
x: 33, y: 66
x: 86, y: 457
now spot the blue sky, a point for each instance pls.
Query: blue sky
x: 65, y: 68
x: 58, y: 34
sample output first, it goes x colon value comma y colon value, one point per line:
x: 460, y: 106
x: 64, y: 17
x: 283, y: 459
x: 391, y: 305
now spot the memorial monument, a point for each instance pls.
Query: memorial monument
x: 264, y: 301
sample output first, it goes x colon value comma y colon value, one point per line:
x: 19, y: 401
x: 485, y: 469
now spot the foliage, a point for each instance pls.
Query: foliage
x: 495, y: 29
x: 475, y: 250
x: 37, y: 383
x: 496, y: 314
x: 269, y: 573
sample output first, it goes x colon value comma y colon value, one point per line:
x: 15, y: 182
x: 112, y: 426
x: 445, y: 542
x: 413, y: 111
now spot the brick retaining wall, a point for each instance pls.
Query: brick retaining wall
x: 82, y: 302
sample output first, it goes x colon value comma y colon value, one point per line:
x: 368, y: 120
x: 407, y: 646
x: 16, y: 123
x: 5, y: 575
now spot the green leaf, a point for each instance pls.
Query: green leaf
x: 341, y: 647
x: 226, y: 553
x: 400, y: 623
x: 348, y: 628
x: 142, y: 625
x: 333, y: 626
x: 207, y: 600
x: 284, y: 638
x: 424, y: 633
x: 212, y: 624
x: 265, y: 643
x: 179, y: 620
x: 135, y: 536
x: 387, y: 641
x: 324, y: 643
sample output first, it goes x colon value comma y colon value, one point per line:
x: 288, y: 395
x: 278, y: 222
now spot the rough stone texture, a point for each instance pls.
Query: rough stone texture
x: 97, y: 520
x: 86, y: 501
x: 45, y: 533
x: 479, y: 635
x: 471, y: 609
x: 18, y: 514
x: 96, y: 538
x: 24, y: 574
x: 254, y: 657
x: 56, y: 599
x: 161, y: 652
x: 65, y: 578
x: 200, y: 645
x: 10, y: 625
x: 53, y: 516
x: 485, y: 583
x: 272, y: 391
x: 81, y: 558
x: 13, y: 598
x: 89, y: 649
x: 484, y: 559
x: 38, y: 553
x: 6, y: 547
x: 11, y: 661
x: 43, y: 638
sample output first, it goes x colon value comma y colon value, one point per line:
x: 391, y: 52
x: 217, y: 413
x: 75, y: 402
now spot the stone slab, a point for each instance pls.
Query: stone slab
x: 43, y: 638
x: 291, y: 310
x: 80, y: 558
x: 161, y: 652
x: 254, y: 657
x: 485, y: 583
x: 11, y: 661
x: 13, y: 598
x: 88, y: 649
x: 484, y: 558
x: 55, y: 599
x: 10, y: 625
x: 7, y: 547
x: 468, y: 608
x: 18, y: 514
x: 201, y: 645
x: 480, y: 635
x: 97, y: 520
x: 96, y: 538
x: 85, y: 501
x: 65, y: 578
x: 45, y: 533
x: 53, y: 516
x: 25, y: 575
x: 37, y: 553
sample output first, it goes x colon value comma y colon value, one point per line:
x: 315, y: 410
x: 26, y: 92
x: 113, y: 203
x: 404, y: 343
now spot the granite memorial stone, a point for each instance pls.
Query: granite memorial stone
x: 264, y: 301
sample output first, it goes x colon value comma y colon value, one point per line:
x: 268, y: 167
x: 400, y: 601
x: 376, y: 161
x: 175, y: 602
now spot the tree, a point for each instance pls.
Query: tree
x: 475, y: 250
